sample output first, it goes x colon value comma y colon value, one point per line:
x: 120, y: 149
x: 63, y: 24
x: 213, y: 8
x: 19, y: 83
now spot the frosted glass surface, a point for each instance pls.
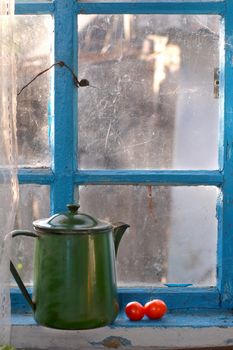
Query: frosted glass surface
x: 33, y: 40
x: 172, y: 236
x: 33, y: 204
x: 153, y: 106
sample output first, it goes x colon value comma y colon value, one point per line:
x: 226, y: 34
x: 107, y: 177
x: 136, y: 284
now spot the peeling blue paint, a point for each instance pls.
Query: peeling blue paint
x: 229, y: 150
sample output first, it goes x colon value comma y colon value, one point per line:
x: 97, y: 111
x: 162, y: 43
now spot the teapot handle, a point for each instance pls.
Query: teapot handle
x: 15, y: 272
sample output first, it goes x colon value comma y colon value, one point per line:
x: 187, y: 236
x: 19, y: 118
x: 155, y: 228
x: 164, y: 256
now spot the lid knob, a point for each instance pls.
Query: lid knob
x: 73, y: 208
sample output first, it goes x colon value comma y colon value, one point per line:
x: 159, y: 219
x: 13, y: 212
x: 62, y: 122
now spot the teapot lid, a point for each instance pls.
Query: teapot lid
x: 71, y: 222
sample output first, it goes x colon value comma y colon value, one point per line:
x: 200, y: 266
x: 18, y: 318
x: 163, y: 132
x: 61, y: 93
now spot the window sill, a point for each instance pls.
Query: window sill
x: 184, y: 327
x: 175, y: 318
x: 176, y: 329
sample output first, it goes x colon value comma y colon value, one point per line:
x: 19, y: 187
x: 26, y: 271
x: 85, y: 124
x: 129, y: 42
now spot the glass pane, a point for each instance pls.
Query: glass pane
x: 33, y: 41
x: 153, y: 106
x: 172, y: 236
x: 34, y: 203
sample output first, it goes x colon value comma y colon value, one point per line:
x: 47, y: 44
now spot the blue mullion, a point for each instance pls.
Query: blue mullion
x: 190, y: 8
x: 221, y: 153
x: 64, y: 92
x: 35, y: 176
x: 159, y: 177
x: 75, y: 104
x: 221, y: 92
x: 225, y: 246
x: 34, y: 8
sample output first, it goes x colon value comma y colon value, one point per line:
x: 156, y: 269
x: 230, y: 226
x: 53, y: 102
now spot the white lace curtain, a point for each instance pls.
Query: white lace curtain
x: 8, y: 156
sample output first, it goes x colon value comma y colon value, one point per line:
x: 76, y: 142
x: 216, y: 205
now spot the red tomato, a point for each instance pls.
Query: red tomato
x: 134, y: 311
x: 155, y: 309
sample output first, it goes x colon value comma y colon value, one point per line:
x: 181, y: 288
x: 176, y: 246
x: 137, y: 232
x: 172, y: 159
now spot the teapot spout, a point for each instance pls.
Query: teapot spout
x: 119, y: 229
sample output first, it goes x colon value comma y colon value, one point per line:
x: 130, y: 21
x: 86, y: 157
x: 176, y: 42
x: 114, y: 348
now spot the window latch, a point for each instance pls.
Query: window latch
x: 216, y: 83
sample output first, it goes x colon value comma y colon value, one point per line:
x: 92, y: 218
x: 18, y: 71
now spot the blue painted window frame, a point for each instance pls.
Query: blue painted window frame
x: 64, y: 175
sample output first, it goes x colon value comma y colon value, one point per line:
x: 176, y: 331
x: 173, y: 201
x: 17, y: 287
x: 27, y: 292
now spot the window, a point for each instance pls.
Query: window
x: 150, y: 139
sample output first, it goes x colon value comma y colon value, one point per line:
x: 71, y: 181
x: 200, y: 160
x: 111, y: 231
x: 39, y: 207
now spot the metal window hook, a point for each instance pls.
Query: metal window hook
x: 77, y: 83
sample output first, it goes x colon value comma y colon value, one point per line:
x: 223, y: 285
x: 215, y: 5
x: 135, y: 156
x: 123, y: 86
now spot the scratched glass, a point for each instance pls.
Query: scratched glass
x: 33, y: 55
x: 172, y: 236
x: 153, y: 104
x: 34, y: 204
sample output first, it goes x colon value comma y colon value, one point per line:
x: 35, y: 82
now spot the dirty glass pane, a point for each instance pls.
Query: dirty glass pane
x: 153, y: 104
x: 172, y: 236
x: 33, y: 40
x: 33, y: 204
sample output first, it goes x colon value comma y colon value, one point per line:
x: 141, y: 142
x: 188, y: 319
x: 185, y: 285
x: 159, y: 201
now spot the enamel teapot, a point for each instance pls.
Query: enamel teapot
x: 74, y: 270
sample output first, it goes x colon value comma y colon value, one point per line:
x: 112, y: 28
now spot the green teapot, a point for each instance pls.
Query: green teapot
x: 74, y: 270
